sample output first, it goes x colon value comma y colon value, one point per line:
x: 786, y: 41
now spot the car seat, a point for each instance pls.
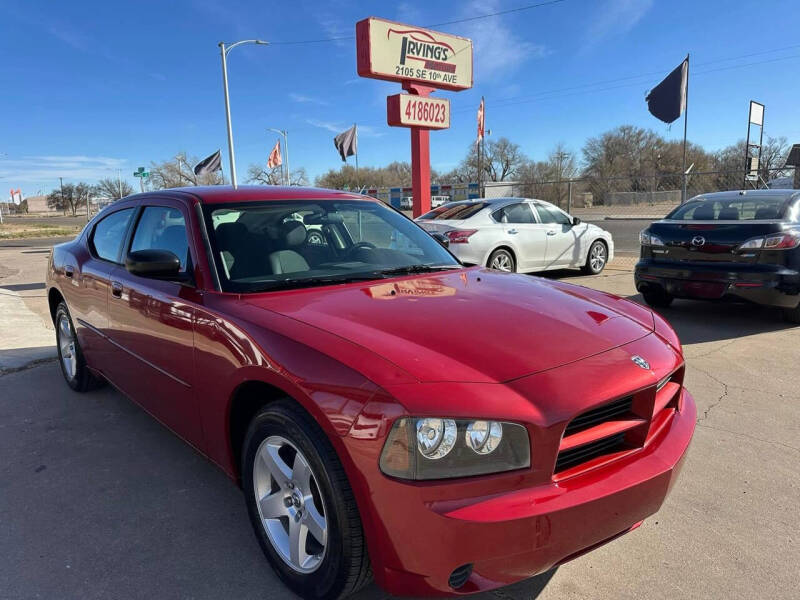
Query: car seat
x: 293, y: 236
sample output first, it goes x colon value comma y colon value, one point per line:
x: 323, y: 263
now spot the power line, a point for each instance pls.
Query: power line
x: 464, y: 20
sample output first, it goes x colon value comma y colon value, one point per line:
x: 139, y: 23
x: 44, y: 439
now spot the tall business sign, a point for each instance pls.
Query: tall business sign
x: 422, y: 61
x: 752, y: 150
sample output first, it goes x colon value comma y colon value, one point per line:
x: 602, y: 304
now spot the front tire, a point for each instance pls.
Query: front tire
x: 502, y: 260
x: 70, y: 357
x: 596, y: 259
x: 301, y: 505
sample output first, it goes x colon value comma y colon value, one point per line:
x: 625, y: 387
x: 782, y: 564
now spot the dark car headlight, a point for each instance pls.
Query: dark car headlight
x: 441, y: 448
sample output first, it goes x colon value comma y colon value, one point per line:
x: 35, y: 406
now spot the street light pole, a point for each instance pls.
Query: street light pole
x: 224, y: 53
x: 285, y: 135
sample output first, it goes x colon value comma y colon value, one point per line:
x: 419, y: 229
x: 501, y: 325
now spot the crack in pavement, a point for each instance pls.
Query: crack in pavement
x: 752, y: 437
x: 34, y: 363
x: 724, y: 394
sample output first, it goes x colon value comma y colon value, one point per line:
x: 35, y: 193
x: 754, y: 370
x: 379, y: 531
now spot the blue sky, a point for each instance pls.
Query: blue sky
x: 89, y: 87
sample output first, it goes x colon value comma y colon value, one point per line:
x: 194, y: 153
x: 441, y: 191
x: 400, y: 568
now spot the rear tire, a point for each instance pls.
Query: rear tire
x: 596, y: 258
x: 502, y: 260
x: 792, y: 315
x: 70, y: 357
x: 313, y: 498
x: 657, y: 299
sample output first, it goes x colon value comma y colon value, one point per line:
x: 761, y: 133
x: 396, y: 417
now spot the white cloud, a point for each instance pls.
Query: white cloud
x: 47, y: 169
x: 307, y: 99
x: 337, y: 127
x: 497, y: 49
x: 615, y: 17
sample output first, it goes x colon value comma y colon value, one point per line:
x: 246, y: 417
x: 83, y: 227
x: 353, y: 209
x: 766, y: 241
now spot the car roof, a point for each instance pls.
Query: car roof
x: 780, y: 194
x: 225, y: 194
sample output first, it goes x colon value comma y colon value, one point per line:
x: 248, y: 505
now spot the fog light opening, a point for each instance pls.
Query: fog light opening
x: 460, y: 575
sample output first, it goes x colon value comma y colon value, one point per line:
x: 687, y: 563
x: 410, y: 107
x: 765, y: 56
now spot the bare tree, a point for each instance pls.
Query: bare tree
x: 70, y: 198
x: 112, y: 189
x: 177, y: 172
x: 503, y: 159
x: 275, y: 176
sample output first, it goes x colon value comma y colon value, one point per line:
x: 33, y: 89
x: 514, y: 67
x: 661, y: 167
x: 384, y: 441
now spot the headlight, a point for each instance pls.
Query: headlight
x: 440, y: 448
x: 648, y: 239
x: 435, y: 437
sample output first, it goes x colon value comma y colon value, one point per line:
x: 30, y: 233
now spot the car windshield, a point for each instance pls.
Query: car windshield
x: 454, y: 211
x: 262, y: 246
x: 742, y: 208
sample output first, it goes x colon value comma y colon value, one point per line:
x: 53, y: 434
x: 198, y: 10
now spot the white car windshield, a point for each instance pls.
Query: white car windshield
x: 262, y: 246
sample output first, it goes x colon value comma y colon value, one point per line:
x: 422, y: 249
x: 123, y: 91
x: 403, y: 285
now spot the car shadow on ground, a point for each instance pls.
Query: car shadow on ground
x: 696, y: 321
x: 530, y: 589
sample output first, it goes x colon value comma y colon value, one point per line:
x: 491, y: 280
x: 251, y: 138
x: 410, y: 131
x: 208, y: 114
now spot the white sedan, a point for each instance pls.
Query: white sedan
x: 519, y: 234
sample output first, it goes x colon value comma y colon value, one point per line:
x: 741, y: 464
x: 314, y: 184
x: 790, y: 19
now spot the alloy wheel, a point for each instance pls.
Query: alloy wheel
x: 66, y: 346
x: 501, y: 262
x: 597, y: 257
x: 290, y: 505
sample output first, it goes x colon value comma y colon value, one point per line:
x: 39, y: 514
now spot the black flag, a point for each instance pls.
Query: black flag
x: 347, y: 143
x: 209, y: 165
x: 667, y: 100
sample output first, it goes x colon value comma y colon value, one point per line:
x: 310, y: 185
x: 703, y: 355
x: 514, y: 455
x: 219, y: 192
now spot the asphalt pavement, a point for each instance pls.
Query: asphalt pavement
x: 97, y: 500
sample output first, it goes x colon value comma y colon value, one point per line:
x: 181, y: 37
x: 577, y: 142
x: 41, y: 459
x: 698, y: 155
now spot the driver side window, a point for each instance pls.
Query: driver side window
x: 548, y: 214
x: 162, y: 228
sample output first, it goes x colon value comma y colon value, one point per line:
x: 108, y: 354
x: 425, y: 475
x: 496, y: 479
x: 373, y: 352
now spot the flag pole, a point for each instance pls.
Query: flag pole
x: 685, y: 127
x: 358, y: 182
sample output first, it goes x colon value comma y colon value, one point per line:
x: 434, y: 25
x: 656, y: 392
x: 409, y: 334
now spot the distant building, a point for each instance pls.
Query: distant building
x: 38, y: 204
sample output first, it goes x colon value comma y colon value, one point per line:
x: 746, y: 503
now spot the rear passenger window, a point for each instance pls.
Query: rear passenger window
x: 162, y: 228
x: 109, y: 234
x: 515, y: 213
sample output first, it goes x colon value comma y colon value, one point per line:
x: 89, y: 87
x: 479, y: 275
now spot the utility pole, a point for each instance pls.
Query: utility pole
x: 61, y: 180
x: 560, y: 156
x: 119, y: 182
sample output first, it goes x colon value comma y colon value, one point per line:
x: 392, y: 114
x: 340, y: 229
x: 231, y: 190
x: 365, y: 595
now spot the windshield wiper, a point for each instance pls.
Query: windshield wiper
x: 411, y: 269
x: 291, y: 284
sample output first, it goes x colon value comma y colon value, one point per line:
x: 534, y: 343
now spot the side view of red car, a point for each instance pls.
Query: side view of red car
x: 387, y: 412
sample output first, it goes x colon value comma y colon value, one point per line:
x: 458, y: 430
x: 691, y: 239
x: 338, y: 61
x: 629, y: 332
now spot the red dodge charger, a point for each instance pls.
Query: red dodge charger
x: 386, y: 411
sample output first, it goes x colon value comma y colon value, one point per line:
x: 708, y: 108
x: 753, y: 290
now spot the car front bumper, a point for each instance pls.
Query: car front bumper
x: 420, y: 539
x: 772, y: 285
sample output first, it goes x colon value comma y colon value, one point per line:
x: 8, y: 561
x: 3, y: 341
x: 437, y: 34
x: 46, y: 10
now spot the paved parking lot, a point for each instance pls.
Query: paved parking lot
x: 97, y: 500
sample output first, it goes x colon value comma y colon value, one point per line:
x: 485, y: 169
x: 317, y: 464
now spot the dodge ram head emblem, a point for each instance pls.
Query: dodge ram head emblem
x: 698, y: 240
x: 640, y: 362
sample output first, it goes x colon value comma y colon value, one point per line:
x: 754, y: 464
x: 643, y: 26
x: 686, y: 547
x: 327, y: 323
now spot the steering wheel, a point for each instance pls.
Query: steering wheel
x: 357, y: 245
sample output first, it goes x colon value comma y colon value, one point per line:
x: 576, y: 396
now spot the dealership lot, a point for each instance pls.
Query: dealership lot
x: 98, y: 500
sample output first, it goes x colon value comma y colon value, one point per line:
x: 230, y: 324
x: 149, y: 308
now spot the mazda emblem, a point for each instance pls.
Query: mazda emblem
x: 640, y: 362
x: 698, y: 240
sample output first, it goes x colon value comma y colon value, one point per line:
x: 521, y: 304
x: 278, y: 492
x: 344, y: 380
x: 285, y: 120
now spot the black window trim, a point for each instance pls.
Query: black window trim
x: 120, y: 253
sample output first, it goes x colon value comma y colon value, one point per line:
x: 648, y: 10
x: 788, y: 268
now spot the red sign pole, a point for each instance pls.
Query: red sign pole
x: 420, y: 158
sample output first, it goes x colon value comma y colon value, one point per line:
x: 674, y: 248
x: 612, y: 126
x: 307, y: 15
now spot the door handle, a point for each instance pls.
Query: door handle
x: 551, y: 232
x: 116, y: 289
x: 512, y: 231
x: 69, y: 270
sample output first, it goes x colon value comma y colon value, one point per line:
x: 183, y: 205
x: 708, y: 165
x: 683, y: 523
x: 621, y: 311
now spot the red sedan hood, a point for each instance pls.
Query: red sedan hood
x: 469, y: 325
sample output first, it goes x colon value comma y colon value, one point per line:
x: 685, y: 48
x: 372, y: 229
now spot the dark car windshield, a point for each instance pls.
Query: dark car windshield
x: 260, y: 246
x: 454, y: 211
x: 751, y: 207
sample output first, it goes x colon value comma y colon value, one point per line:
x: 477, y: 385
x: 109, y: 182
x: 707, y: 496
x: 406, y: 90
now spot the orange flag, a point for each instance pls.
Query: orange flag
x: 274, y: 159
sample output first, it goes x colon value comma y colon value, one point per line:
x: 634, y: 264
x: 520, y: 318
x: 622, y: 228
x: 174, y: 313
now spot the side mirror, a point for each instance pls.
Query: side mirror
x: 441, y: 238
x: 155, y: 264
x: 575, y: 221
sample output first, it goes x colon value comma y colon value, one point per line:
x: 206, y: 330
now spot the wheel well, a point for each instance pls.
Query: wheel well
x: 249, y: 398
x: 54, y: 298
x: 506, y: 248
